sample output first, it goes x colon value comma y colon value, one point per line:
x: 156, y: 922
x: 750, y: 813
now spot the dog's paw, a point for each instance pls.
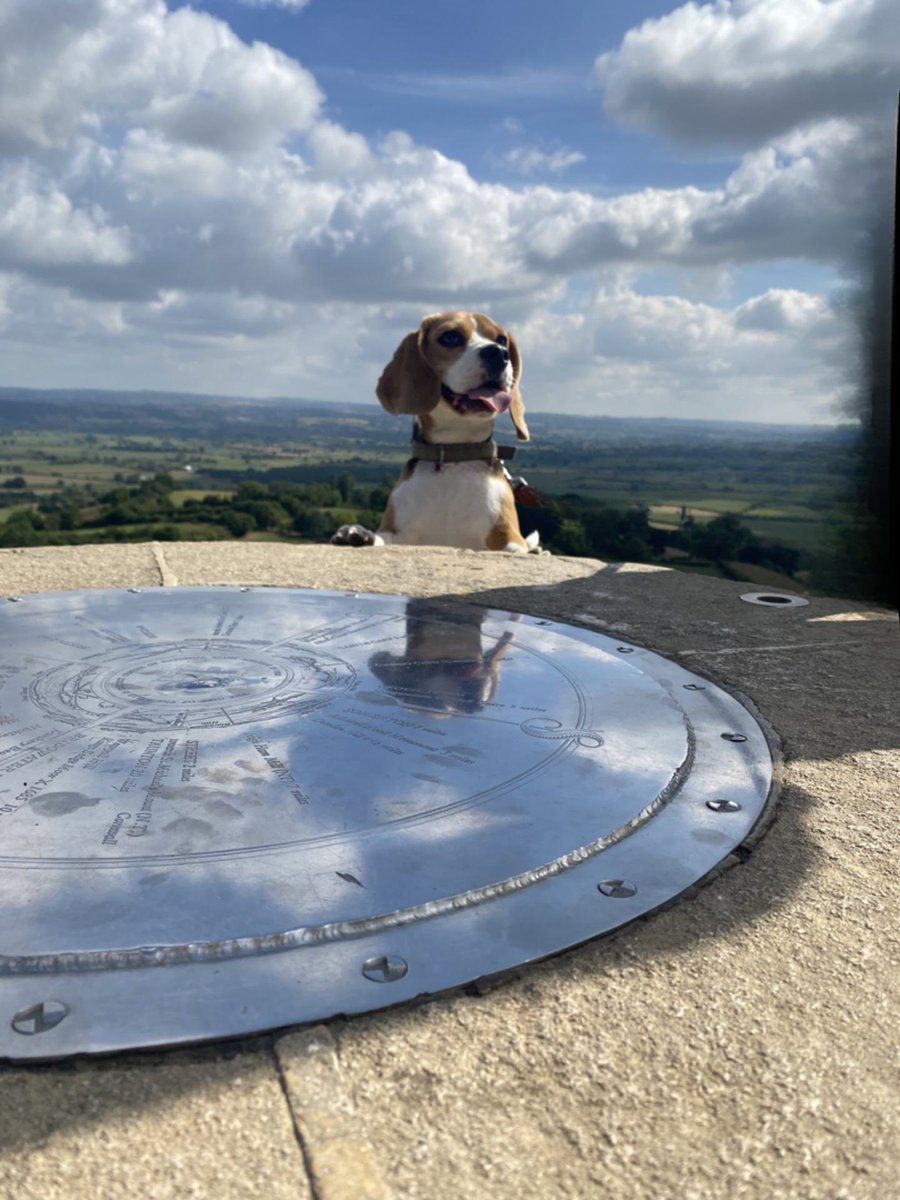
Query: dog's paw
x: 356, y: 535
x: 531, y: 545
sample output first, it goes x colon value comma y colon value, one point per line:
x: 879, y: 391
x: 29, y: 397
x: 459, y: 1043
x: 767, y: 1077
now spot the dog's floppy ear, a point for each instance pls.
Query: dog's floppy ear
x: 407, y: 383
x: 517, y: 408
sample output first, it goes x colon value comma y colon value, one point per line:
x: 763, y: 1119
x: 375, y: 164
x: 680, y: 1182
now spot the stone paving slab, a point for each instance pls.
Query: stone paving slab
x: 743, y: 1044
x: 186, y: 1124
x: 65, y: 568
x: 341, y: 1162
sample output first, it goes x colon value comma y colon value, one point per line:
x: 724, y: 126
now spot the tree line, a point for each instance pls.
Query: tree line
x: 312, y: 511
x: 71, y: 515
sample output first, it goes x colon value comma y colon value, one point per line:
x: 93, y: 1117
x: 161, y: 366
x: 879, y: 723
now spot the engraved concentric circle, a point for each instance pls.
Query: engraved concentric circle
x: 197, y: 681
x: 284, y: 785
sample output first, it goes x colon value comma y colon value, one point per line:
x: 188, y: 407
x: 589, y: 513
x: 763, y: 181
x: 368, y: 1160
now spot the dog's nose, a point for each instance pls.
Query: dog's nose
x: 494, y: 357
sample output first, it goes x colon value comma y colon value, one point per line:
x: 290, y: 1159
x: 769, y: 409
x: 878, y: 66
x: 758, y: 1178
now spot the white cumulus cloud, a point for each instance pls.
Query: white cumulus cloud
x: 532, y: 160
x: 630, y: 354
x: 40, y: 226
x: 294, y: 4
x: 70, y: 68
x: 742, y: 71
x: 178, y: 209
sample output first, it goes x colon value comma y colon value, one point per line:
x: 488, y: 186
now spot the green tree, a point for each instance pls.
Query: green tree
x: 622, y: 535
x: 251, y: 489
x: 719, y: 541
x: 22, y: 528
x: 315, y: 524
x: 266, y: 513
x: 346, y: 486
x: 238, y: 523
x: 289, y: 500
x: 321, y: 495
x: 121, y: 514
x: 379, y: 496
x: 571, y: 538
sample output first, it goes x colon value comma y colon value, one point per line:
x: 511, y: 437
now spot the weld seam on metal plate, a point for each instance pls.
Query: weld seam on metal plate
x: 228, y: 810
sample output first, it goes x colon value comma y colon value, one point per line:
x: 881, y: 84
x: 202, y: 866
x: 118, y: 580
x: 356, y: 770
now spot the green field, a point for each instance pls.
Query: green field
x: 180, y: 495
x: 766, y: 578
x: 806, y: 534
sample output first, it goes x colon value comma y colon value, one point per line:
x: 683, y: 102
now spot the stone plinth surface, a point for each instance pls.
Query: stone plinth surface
x: 741, y: 1044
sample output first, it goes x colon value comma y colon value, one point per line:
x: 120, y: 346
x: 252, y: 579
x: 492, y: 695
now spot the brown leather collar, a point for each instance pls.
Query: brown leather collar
x: 456, y: 452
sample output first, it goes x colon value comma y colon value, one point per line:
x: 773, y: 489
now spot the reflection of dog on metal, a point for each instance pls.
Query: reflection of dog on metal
x: 454, y: 375
x: 445, y: 668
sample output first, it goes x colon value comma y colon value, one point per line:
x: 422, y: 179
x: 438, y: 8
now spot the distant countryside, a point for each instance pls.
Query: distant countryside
x: 766, y: 504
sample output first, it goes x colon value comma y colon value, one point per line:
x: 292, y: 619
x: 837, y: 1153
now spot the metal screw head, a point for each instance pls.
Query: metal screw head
x: 384, y: 968
x: 40, y: 1017
x: 244, y: 589
x: 734, y: 737
x: 619, y: 889
x: 13, y: 599
x: 541, y: 622
x: 693, y: 687
x: 720, y: 805
x: 136, y: 591
x: 625, y: 649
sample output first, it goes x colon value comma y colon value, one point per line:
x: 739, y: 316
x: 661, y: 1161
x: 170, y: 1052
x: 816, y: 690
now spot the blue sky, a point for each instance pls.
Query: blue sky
x: 455, y: 74
x: 666, y: 203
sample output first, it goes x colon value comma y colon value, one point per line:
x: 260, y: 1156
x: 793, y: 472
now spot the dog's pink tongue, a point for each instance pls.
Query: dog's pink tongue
x: 494, y: 399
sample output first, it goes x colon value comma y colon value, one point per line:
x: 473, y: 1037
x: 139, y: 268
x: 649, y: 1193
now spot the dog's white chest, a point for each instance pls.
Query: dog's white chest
x: 456, y: 506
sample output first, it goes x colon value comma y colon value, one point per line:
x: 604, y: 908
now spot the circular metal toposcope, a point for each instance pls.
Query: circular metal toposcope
x: 226, y: 811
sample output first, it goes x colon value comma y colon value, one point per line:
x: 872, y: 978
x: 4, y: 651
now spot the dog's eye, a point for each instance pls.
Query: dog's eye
x: 501, y: 339
x: 451, y: 338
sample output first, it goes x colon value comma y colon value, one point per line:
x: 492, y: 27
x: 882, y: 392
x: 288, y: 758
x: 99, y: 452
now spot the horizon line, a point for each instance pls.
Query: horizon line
x: 834, y: 423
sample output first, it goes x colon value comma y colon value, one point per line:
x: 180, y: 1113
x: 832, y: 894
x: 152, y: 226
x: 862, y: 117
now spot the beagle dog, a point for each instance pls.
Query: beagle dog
x: 446, y: 666
x: 454, y: 375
